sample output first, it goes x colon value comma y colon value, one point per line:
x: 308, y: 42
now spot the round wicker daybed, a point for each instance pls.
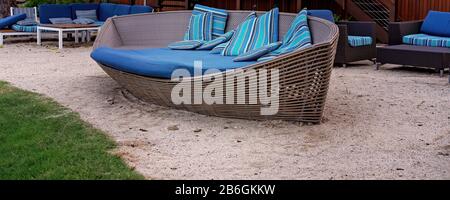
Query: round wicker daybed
x: 304, y: 75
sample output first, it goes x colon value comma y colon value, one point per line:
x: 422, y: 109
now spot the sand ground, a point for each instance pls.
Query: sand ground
x: 387, y: 124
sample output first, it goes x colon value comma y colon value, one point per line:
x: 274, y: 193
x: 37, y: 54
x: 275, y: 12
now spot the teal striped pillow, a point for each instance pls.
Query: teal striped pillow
x: 219, y: 18
x: 266, y: 30
x: 257, y: 53
x: 219, y: 48
x: 297, y: 37
x: 200, y: 27
x: 185, y: 45
x: 240, y: 42
x: 213, y: 43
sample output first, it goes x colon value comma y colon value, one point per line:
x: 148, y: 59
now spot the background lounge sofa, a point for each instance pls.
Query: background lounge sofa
x: 419, y: 43
x: 357, y: 39
x: 104, y: 10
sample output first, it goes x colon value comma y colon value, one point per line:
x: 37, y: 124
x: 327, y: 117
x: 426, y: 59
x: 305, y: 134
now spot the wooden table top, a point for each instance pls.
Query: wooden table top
x: 68, y: 26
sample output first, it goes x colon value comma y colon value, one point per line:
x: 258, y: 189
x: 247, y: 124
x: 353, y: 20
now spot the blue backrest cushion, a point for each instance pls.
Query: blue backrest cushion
x: 47, y: 11
x: 105, y: 11
x: 8, y: 21
x: 121, y: 9
x: 83, y: 6
x: 220, y: 18
x: 437, y: 23
x: 137, y: 9
x: 324, y: 14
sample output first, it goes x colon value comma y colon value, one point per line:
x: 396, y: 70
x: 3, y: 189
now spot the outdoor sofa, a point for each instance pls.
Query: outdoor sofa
x: 423, y: 43
x: 10, y: 26
x: 304, y: 74
x: 103, y: 10
x: 357, y: 39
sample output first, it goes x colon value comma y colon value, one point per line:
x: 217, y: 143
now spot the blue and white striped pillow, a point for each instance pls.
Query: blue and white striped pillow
x: 297, y: 37
x: 213, y: 43
x: 240, y: 42
x: 219, y: 18
x: 254, y: 54
x: 61, y: 20
x: 219, y: 48
x: 266, y: 30
x: 185, y: 45
x: 200, y: 27
x: 83, y: 21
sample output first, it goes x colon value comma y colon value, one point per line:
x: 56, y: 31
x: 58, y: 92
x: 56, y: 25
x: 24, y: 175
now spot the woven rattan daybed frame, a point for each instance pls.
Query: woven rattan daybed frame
x: 303, y: 75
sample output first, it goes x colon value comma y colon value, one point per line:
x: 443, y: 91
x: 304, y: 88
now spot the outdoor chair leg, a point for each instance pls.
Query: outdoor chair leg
x: 60, y: 39
x: 441, y: 72
x: 38, y: 36
x: 377, y: 66
x: 1, y: 39
x: 344, y: 65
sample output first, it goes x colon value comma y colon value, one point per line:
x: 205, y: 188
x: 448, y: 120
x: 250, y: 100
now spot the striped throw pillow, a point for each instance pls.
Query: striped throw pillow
x: 213, y: 43
x: 257, y: 53
x: 241, y: 40
x: 61, y: 20
x: 185, y: 45
x: 426, y: 40
x: 200, y: 27
x: 83, y: 21
x: 297, y: 37
x: 266, y: 29
x: 219, y: 18
x: 219, y: 48
x: 88, y: 14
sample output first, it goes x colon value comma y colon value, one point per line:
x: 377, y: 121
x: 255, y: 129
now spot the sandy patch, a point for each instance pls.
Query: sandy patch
x: 393, y: 124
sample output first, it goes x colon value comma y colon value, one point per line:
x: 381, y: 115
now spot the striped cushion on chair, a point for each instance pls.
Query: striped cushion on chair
x: 219, y: 18
x: 219, y: 48
x: 185, y: 45
x: 359, y: 41
x: 87, y: 14
x: 20, y: 28
x: 266, y: 30
x: 427, y: 40
x: 254, y: 54
x: 240, y: 42
x: 213, y: 43
x: 297, y: 37
x: 200, y: 27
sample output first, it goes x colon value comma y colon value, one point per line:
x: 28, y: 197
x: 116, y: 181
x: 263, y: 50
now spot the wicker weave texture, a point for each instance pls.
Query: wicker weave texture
x: 303, y: 75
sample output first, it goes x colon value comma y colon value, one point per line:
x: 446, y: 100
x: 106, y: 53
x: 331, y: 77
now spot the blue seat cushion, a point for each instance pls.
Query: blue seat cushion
x: 161, y: 62
x: 427, y: 40
x: 47, y: 11
x: 21, y: 28
x: 137, y: 9
x: 107, y: 10
x: 8, y: 21
x: 324, y: 14
x: 83, y: 6
x: 436, y: 23
x: 359, y: 41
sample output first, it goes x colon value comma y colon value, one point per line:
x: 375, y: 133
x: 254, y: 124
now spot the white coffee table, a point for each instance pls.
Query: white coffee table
x: 61, y: 28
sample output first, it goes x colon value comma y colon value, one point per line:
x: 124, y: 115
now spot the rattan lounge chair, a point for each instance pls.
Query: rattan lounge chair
x: 304, y: 75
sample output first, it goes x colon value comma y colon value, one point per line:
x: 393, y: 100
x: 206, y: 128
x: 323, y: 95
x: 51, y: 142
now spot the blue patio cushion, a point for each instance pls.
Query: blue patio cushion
x: 219, y: 18
x: 137, y: 9
x: 161, y: 62
x: 21, y: 28
x: 240, y: 42
x: 83, y: 21
x: 209, y: 45
x: 324, y: 14
x: 61, y: 20
x: 87, y: 14
x: 427, y: 40
x: 255, y: 54
x: 8, y: 21
x: 219, y: 48
x: 436, y: 23
x: 359, y: 41
x: 83, y: 6
x: 121, y: 9
x: 47, y: 11
x: 200, y: 27
x: 185, y: 44
x: 266, y: 30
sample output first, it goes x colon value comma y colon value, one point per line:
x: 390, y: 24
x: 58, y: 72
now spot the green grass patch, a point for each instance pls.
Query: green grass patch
x: 40, y: 139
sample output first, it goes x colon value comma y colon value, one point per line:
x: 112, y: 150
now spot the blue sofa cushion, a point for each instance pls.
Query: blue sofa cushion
x: 8, y: 21
x: 83, y: 6
x: 213, y: 43
x: 83, y: 21
x: 359, y: 41
x: 105, y: 11
x: 437, y: 23
x: 61, y: 20
x: 324, y: 14
x: 240, y: 42
x: 200, y: 27
x: 219, y: 18
x: 161, y: 62
x: 137, y: 9
x: 47, y: 11
x: 219, y: 48
x: 87, y: 14
x: 427, y: 40
x: 121, y: 9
